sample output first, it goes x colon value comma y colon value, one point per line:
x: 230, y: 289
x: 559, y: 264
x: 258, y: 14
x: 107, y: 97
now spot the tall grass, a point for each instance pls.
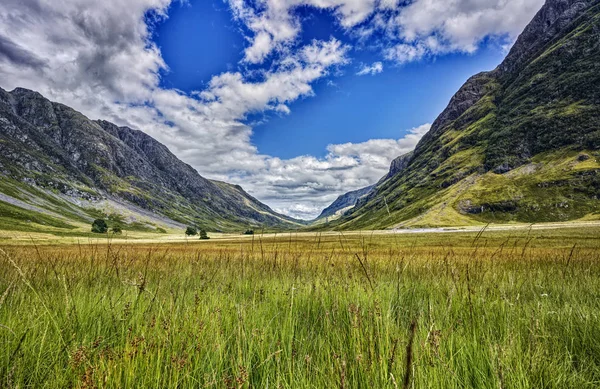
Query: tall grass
x: 484, y: 310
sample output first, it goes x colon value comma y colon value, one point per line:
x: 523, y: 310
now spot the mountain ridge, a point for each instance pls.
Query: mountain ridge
x: 56, y: 149
x: 343, y: 202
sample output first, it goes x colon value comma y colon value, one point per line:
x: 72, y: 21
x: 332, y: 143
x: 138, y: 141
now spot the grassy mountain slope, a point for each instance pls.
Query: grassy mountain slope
x: 520, y: 143
x: 58, y: 169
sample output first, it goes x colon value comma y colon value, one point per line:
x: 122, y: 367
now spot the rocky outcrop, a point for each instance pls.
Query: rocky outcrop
x: 552, y: 19
x: 397, y: 166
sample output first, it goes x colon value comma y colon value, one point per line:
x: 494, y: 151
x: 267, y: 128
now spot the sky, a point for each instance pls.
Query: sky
x: 297, y: 101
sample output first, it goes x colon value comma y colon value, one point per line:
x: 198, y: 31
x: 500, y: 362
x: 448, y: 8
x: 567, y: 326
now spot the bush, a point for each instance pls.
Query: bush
x: 191, y: 231
x: 249, y: 232
x: 203, y: 235
x: 99, y: 226
x: 116, y: 230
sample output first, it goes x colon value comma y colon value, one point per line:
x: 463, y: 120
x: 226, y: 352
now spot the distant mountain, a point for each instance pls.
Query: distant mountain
x: 344, y: 202
x: 351, y: 199
x: 59, y: 168
x: 519, y: 143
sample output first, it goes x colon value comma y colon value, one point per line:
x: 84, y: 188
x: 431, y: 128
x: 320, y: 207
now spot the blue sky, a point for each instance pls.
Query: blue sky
x: 297, y: 101
x: 199, y: 39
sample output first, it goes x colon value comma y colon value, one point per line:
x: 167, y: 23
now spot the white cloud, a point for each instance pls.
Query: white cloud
x: 462, y: 24
x: 403, y: 53
x: 287, y: 184
x: 413, y: 29
x: 426, y: 28
x: 275, y: 26
x: 375, y: 68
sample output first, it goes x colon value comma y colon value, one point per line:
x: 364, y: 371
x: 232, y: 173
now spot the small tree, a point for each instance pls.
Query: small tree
x: 99, y: 226
x: 191, y: 231
x: 249, y: 232
x: 116, y: 230
x: 203, y: 235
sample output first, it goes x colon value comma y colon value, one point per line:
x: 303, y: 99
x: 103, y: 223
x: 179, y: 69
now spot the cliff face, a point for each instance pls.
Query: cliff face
x: 54, y: 148
x: 519, y: 143
x: 397, y: 166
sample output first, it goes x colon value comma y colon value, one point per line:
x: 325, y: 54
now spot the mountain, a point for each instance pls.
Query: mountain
x: 344, y: 202
x: 60, y: 169
x: 349, y: 200
x: 519, y: 143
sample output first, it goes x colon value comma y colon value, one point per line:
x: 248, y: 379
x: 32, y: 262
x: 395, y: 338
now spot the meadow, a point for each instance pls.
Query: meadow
x: 502, y: 309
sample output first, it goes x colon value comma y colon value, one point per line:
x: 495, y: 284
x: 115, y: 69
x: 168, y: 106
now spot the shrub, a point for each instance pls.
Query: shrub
x: 249, y: 232
x: 117, y: 230
x: 99, y: 226
x: 203, y: 235
x: 191, y: 231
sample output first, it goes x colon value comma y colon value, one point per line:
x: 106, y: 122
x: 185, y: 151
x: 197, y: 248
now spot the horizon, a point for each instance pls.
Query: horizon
x: 277, y: 98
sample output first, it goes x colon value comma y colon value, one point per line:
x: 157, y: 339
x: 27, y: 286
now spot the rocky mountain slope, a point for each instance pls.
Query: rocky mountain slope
x: 349, y: 200
x: 519, y: 143
x: 343, y: 203
x: 57, y: 168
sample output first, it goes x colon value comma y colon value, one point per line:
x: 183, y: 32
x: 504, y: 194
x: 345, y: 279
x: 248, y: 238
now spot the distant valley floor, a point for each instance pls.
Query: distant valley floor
x: 174, y: 236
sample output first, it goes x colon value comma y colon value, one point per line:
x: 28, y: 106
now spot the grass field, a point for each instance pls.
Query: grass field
x: 501, y: 309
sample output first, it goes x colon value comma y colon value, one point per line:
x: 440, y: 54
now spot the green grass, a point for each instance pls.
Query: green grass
x: 490, y: 310
x: 20, y: 219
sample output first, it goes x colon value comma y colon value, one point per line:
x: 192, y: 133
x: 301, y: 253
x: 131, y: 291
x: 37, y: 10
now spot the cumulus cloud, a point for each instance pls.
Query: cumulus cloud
x: 413, y: 29
x: 461, y: 24
x: 375, y: 68
x: 286, y: 184
x: 97, y: 58
x: 275, y: 25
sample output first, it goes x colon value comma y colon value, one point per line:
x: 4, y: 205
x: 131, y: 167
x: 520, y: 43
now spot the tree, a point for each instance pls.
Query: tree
x: 116, y: 230
x: 191, y: 231
x: 249, y: 232
x: 203, y: 235
x: 99, y: 226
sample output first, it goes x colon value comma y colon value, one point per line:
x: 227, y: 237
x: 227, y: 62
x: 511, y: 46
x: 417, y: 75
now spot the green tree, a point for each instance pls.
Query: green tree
x: 99, y: 226
x: 191, y: 231
x: 203, y: 235
x: 249, y: 232
x: 116, y: 230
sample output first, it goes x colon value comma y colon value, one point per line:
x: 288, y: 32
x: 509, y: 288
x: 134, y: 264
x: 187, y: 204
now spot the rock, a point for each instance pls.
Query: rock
x: 583, y: 157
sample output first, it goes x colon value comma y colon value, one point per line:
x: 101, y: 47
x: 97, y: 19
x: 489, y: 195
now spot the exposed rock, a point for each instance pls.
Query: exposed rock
x: 554, y: 17
x: 346, y: 200
x: 397, y: 166
x: 583, y: 157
